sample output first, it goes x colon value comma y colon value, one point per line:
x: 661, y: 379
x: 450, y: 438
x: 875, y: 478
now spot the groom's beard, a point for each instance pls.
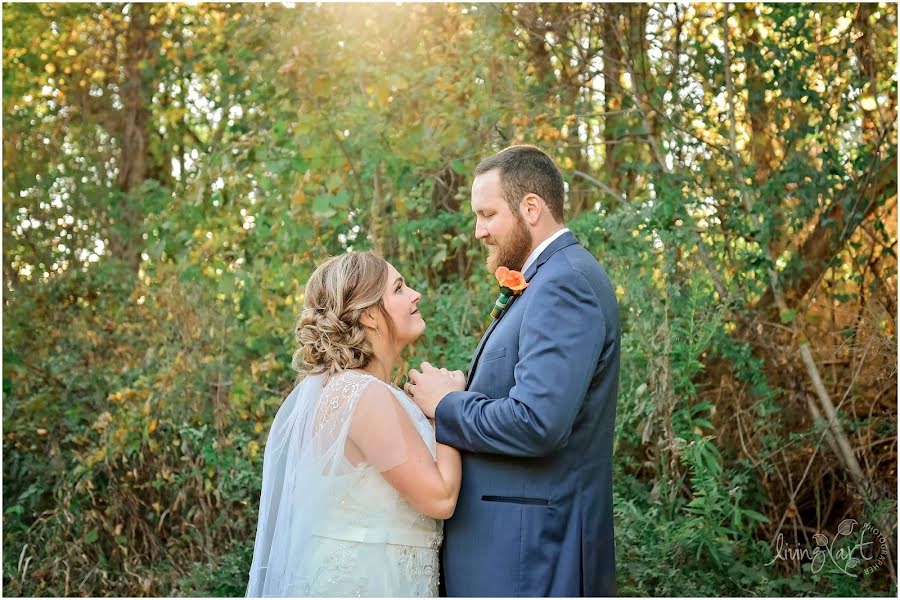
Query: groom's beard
x: 511, y: 252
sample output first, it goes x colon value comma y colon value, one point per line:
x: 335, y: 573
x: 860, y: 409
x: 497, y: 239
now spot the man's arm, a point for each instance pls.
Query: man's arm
x: 562, y: 336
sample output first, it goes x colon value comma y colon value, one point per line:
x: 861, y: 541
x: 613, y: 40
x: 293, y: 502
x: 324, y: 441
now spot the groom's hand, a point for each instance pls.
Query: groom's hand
x: 429, y: 386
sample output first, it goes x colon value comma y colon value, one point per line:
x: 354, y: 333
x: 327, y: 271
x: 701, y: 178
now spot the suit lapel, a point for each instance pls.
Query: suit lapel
x: 487, y: 334
x: 563, y: 241
x: 480, y: 347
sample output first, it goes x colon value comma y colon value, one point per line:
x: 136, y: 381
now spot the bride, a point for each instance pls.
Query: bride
x: 354, y: 486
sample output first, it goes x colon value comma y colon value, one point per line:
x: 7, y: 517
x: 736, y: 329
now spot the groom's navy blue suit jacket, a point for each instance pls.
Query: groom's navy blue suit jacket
x: 535, y: 514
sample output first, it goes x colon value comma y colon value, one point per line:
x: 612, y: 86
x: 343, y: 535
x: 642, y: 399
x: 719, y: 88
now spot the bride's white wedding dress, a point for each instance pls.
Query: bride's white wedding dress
x: 330, y: 525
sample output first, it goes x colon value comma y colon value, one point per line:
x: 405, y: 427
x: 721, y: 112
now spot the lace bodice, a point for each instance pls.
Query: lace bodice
x: 345, y: 387
x: 367, y: 516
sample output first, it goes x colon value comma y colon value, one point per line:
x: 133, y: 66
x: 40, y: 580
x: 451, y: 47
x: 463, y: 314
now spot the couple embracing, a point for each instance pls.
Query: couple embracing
x: 498, y: 483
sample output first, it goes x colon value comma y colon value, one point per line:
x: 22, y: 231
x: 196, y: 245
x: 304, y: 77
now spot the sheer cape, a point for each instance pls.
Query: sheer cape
x: 329, y: 442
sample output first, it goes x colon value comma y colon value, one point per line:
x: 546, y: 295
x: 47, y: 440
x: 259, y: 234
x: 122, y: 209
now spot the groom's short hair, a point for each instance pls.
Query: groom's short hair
x: 524, y: 170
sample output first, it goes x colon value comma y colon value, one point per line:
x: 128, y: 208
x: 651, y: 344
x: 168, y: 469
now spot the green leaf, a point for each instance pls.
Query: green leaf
x: 190, y: 274
x: 334, y: 181
x: 156, y: 249
x: 226, y: 283
x: 755, y: 516
x: 439, y: 257
x: 92, y: 536
x: 322, y: 205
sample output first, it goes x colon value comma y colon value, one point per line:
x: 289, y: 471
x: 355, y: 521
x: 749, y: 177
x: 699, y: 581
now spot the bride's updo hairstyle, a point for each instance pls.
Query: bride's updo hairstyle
x: 329, y: 334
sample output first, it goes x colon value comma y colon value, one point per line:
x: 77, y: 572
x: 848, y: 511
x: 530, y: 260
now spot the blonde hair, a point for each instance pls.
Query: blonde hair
x: 329, y: 334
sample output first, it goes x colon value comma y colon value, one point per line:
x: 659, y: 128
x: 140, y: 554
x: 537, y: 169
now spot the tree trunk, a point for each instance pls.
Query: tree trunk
x: 758, y: 109
x: 376, y: 216
x: 832, y: 231
x: 865, y: 60
x: 135, y: 119
x: 615, y: 124
x: 445, y: 198
x: 135, y: 112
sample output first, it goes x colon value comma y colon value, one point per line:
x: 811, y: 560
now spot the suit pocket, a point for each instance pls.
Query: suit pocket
x: 493, y: 354
x: 516, y: 500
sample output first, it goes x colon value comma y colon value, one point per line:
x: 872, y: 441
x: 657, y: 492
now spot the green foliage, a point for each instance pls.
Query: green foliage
x: 173, y: 174
x: 224, y: 577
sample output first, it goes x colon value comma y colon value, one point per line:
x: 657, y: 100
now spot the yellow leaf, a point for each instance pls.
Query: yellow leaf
x: 50, y: 68
x: 97, y: 456
x: 258, y: 427
x: 321, y: 86
x: 868, y: 103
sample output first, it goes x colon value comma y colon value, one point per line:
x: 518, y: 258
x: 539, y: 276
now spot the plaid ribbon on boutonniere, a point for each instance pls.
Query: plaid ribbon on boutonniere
x: 512, y: 283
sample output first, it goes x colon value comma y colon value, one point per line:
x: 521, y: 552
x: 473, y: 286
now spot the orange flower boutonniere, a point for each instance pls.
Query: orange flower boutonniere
x: 512, y: 283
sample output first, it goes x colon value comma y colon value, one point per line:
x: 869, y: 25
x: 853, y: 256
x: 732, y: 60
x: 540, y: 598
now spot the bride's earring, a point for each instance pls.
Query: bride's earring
x: 370, y: 322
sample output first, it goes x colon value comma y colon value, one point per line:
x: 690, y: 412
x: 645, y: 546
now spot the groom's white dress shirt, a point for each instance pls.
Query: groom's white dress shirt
x: 541, y: 247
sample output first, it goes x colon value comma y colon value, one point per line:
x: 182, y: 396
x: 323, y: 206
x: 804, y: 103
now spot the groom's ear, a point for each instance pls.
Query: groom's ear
x: 531, y: 208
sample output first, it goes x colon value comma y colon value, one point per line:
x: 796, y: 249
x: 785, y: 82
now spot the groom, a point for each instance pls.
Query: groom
x: 535, y: 423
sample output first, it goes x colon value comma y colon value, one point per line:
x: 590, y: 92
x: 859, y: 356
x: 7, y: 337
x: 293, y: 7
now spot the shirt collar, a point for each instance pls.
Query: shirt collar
x: 541, y: 247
